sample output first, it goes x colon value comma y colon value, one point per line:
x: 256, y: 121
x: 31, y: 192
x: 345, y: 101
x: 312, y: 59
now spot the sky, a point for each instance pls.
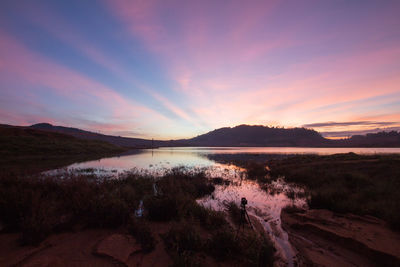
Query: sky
x: 176, y: 69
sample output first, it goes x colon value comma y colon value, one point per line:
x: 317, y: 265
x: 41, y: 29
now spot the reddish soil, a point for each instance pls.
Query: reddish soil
x: 84, y: 248
x: 95, y: 247
x: 324, y: 238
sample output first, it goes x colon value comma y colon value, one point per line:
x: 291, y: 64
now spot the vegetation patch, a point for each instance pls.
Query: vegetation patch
x: 359, y: 184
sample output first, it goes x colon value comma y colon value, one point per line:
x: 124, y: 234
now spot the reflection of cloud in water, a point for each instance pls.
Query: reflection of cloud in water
x: 206, y: 156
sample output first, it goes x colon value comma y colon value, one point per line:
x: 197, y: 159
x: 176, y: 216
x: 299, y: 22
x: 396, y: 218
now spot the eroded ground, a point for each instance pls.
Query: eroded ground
x: 324, y: 238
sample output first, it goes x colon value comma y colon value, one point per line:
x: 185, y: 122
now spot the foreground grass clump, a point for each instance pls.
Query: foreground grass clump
x: 39, y: 205
x: 189, y: 246
x: 177, y: 194
x: 347, y: 183
x: 250, y: 249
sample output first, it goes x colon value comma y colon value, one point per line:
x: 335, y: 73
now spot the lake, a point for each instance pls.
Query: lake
x: 264, y: 204
x: 168, y: 157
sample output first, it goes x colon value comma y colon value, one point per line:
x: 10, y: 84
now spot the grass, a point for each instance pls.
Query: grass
x: 248, y: 249
x: 234, y: 212
x: 39, y: 205
x: 359, y: 184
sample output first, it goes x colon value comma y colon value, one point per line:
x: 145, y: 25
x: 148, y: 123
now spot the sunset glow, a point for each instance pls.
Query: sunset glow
x: 177, y: 69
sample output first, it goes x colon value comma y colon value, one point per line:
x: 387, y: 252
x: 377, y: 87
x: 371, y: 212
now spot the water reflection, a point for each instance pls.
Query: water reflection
x: 264, y: 204
x: 153, y: 159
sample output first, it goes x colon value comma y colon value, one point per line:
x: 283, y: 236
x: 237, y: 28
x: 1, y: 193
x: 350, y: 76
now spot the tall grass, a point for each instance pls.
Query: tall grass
x: 347, y: 183
x: 38, y: 205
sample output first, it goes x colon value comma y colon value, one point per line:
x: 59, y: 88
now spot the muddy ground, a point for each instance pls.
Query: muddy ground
x: 325, y: 238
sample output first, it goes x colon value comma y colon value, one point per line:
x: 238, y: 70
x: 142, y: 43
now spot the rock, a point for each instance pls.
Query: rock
x: 118, y: 246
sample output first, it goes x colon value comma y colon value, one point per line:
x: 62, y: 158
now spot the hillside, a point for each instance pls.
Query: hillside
x: 115, y: 140
x: 25, y: 141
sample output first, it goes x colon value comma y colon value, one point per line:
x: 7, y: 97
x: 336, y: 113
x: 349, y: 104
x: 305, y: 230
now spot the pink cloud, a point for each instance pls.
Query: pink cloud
x: 37, y: 70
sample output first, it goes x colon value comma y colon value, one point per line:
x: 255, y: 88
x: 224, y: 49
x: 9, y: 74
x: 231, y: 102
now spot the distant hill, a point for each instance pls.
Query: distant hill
x: 381, y: 139
x: 115, y: 140
x: 242, y: 135
x: 26, y: 141
x: 246, y: 135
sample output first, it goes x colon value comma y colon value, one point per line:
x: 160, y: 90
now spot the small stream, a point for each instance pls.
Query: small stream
x: 264, y: 204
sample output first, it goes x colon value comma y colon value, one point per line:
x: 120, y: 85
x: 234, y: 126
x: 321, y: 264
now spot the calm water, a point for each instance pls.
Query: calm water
x: 153, y: 159
x: 264, y: 204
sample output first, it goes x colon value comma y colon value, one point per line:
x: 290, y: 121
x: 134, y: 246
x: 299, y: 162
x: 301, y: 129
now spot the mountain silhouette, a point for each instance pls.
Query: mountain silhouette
x: 242, y: 135
x: 115, y: 140
x: 246, y: 135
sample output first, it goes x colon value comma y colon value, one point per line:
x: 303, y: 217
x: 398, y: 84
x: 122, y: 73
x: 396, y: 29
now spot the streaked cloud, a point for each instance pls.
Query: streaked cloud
x: 175, y: 69
x: 349, y: 123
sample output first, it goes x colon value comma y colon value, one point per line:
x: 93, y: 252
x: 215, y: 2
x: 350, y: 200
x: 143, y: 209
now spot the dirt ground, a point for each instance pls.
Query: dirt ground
x: 92, y: 247
x: 324, y: 238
